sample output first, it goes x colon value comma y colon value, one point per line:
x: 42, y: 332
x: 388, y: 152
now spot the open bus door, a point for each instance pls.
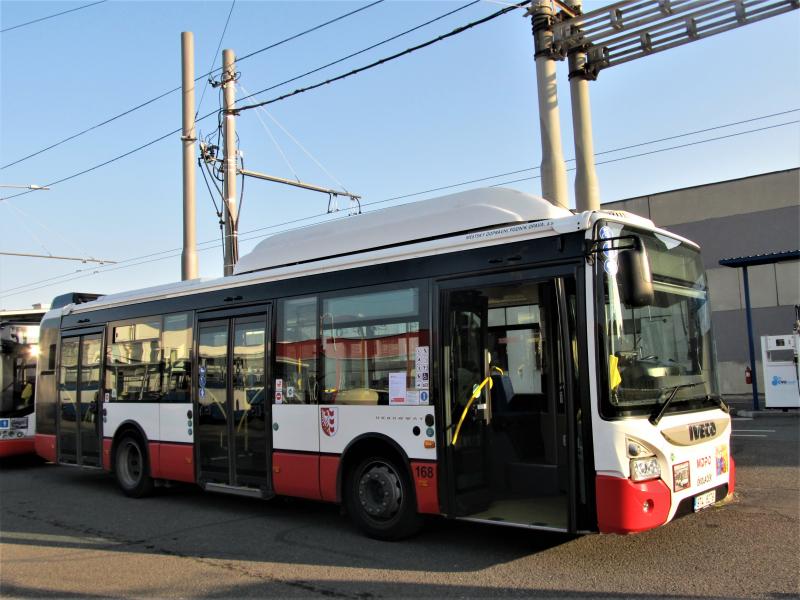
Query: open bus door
x: 467, y: 368
x: 507, y: 399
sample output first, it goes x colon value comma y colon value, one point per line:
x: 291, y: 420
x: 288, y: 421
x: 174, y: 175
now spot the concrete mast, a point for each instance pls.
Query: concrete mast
x: 587, y: 190
x: 231, y: 218
x: 553, y: 168
x: 188, y: 139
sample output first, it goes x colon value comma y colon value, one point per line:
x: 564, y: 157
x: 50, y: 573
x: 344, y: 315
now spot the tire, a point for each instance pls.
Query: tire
x: 131, y: 467
x: 380, y: 499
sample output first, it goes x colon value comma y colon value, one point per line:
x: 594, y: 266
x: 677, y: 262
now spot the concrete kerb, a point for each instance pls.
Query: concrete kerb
x: 768, y: 412
x: 742, y: 406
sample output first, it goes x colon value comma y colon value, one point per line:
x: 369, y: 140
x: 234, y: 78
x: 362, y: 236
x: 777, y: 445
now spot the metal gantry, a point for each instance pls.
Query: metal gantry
x: 631, y: 29
x: 613, y: 35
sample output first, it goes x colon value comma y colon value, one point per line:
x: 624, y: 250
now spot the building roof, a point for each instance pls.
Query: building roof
x: 760, y: 259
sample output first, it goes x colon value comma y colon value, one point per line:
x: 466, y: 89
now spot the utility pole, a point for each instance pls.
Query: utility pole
x: 230, y: 216
x: 188, y: 139
x: 553, y: 168
x: 587, y: 190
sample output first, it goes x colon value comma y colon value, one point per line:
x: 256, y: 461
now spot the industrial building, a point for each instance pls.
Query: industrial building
x: 738, y: 218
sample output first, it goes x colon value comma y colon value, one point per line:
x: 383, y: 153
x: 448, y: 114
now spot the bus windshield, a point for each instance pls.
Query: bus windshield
x: 18, y: 369
x: 664, y: 349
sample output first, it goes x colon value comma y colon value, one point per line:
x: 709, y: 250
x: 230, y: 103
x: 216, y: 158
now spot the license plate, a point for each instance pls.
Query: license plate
x: 704, y: 500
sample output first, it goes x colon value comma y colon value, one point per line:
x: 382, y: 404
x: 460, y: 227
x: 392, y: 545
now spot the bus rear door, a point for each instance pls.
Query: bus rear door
x: 231, y: 404
x: 79, y: 426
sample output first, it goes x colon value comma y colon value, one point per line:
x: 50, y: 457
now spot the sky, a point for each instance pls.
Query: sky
x: 460, y: 110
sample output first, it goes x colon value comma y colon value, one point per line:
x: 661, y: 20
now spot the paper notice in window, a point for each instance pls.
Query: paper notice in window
x: 397, y: 388
x: 422, y: 369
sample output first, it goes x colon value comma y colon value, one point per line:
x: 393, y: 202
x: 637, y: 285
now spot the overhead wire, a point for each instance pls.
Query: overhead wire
x: 659, y: 150
x: 301, y: 146
x: 63, y: 12
x: 209, y: 244
x: 214, y: 58
x: 343, y: 76
x: 205, y: 75
x: 362, y: 51
x: 382, y: 61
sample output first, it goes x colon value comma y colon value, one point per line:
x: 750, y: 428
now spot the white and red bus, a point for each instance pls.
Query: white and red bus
x: 19, y: 349
x: 483, y: 356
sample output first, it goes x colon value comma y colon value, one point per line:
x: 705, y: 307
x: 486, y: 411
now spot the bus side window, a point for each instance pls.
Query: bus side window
x: 365, y: 338
x: 176, y: 362
x: 296, y: 352
x: 133, y: 361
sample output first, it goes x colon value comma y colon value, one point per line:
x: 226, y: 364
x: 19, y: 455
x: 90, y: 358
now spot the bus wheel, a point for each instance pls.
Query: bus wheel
x: 380, y: 500
x: 131, y: 468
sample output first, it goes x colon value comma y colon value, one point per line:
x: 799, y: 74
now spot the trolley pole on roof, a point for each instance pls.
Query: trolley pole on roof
x: 188, y: 139
x: 230, y: 216
x: 553, y: 168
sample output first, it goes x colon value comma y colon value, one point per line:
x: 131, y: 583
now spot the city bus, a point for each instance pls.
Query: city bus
x: 19, y: 349
x: 483, y: 356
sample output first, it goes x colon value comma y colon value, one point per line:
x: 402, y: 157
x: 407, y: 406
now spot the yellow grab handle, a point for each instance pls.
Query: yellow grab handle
x: 475, y: 394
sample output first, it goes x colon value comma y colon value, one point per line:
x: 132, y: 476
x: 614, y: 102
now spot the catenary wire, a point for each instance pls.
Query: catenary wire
x: 166, y: 254
x: 343, y: 76
x: 214, y: 58
x: 298, y: 144
x: 150, y: 143
x: 382, y: 61
x: 362, y: 51
x: 205, y: 75
x: 40, y: 19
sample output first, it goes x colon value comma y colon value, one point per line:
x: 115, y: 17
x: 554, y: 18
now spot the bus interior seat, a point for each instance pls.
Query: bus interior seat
x: 512, y: 416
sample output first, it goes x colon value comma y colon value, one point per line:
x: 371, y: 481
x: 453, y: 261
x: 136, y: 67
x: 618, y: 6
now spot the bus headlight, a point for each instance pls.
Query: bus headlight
x: 643, y: 469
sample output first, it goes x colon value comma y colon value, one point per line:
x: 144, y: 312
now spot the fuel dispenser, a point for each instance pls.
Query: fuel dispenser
x: 780, y: 365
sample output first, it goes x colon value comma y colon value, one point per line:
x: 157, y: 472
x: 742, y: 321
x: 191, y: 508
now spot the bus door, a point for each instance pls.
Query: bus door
x: 79, y: 428
x: 231, y: 435
x: 508, y: 449
x: 466, y: 365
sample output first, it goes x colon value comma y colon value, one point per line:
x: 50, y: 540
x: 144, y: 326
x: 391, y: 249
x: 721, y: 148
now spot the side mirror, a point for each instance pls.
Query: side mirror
x: 635, y: 277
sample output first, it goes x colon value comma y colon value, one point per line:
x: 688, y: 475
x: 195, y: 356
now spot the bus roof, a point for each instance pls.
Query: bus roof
x: 465, y: 211
x: 378, y: 236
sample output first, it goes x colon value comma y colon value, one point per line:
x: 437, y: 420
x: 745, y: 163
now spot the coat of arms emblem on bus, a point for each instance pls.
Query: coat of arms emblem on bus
x: 328, y: 418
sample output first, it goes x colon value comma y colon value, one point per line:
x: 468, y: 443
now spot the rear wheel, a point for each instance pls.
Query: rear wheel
x: 380, y: 499
x: 131, y: 468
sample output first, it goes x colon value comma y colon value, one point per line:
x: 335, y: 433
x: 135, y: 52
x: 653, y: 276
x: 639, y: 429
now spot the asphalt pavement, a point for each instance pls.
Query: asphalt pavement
x: 66, y: 532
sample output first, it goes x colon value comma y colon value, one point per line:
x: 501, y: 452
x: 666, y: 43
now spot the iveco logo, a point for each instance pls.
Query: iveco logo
x: 698, y: 431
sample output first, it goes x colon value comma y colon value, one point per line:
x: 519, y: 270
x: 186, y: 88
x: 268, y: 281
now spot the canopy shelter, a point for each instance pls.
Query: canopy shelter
x: 744, y: 262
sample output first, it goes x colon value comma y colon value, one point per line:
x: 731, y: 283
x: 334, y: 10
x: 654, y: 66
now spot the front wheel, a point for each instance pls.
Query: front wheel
x: 380, y: 500
x: 131, y: 468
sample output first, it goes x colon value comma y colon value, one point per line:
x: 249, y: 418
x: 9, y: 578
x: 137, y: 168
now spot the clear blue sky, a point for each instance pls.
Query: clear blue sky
x: 463, y: 109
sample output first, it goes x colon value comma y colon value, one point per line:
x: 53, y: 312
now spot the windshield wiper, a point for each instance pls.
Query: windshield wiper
x: 718, y: 399
x: 660, y: 410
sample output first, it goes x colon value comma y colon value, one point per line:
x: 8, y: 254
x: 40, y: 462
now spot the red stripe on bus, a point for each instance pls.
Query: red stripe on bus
x: 627, y: 507
x: 46, y: 446
x: 296, y: 475
x: 426, y: 484
x: 328, y: 473
x: 16, y: 447
x: 172, y: 461
x: 107, y: 443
